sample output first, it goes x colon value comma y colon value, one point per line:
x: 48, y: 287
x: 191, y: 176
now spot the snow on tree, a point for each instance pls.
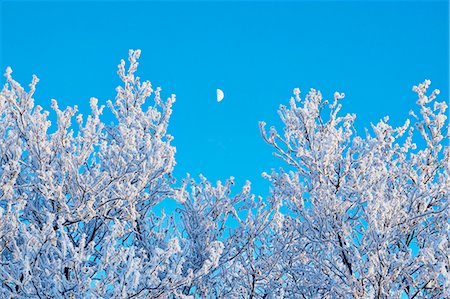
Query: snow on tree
x: 367, y: 217
x: 350, y: 217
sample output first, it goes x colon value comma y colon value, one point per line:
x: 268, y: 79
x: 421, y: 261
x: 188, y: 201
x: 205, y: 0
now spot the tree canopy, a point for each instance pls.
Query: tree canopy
x: 350, y: 216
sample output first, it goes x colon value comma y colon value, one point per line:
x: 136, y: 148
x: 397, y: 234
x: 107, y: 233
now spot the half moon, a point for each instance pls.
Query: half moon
x: 220, y: 95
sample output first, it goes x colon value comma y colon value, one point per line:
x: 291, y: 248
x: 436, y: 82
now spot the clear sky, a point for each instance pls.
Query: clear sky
x: 256, y: 52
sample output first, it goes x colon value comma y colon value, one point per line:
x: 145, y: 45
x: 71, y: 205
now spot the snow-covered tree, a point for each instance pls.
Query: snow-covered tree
x: 350, y: 217
x: 366, y: 217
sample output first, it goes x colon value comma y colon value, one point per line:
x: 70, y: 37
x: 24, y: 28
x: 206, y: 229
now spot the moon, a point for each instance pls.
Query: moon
x: 220, y: 95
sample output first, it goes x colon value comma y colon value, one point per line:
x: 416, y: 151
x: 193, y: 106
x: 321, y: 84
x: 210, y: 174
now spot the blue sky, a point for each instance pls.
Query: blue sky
x: 257, y: 52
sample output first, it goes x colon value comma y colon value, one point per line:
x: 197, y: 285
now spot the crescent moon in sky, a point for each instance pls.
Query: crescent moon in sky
x: 220, y: 95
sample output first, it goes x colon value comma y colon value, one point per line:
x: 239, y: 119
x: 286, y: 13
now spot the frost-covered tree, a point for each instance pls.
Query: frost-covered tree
x: 366, y: 217
x: 77, y: 206
x: 351, y: 216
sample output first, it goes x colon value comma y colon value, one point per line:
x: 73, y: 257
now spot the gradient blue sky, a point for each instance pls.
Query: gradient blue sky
x: 257, y: 52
